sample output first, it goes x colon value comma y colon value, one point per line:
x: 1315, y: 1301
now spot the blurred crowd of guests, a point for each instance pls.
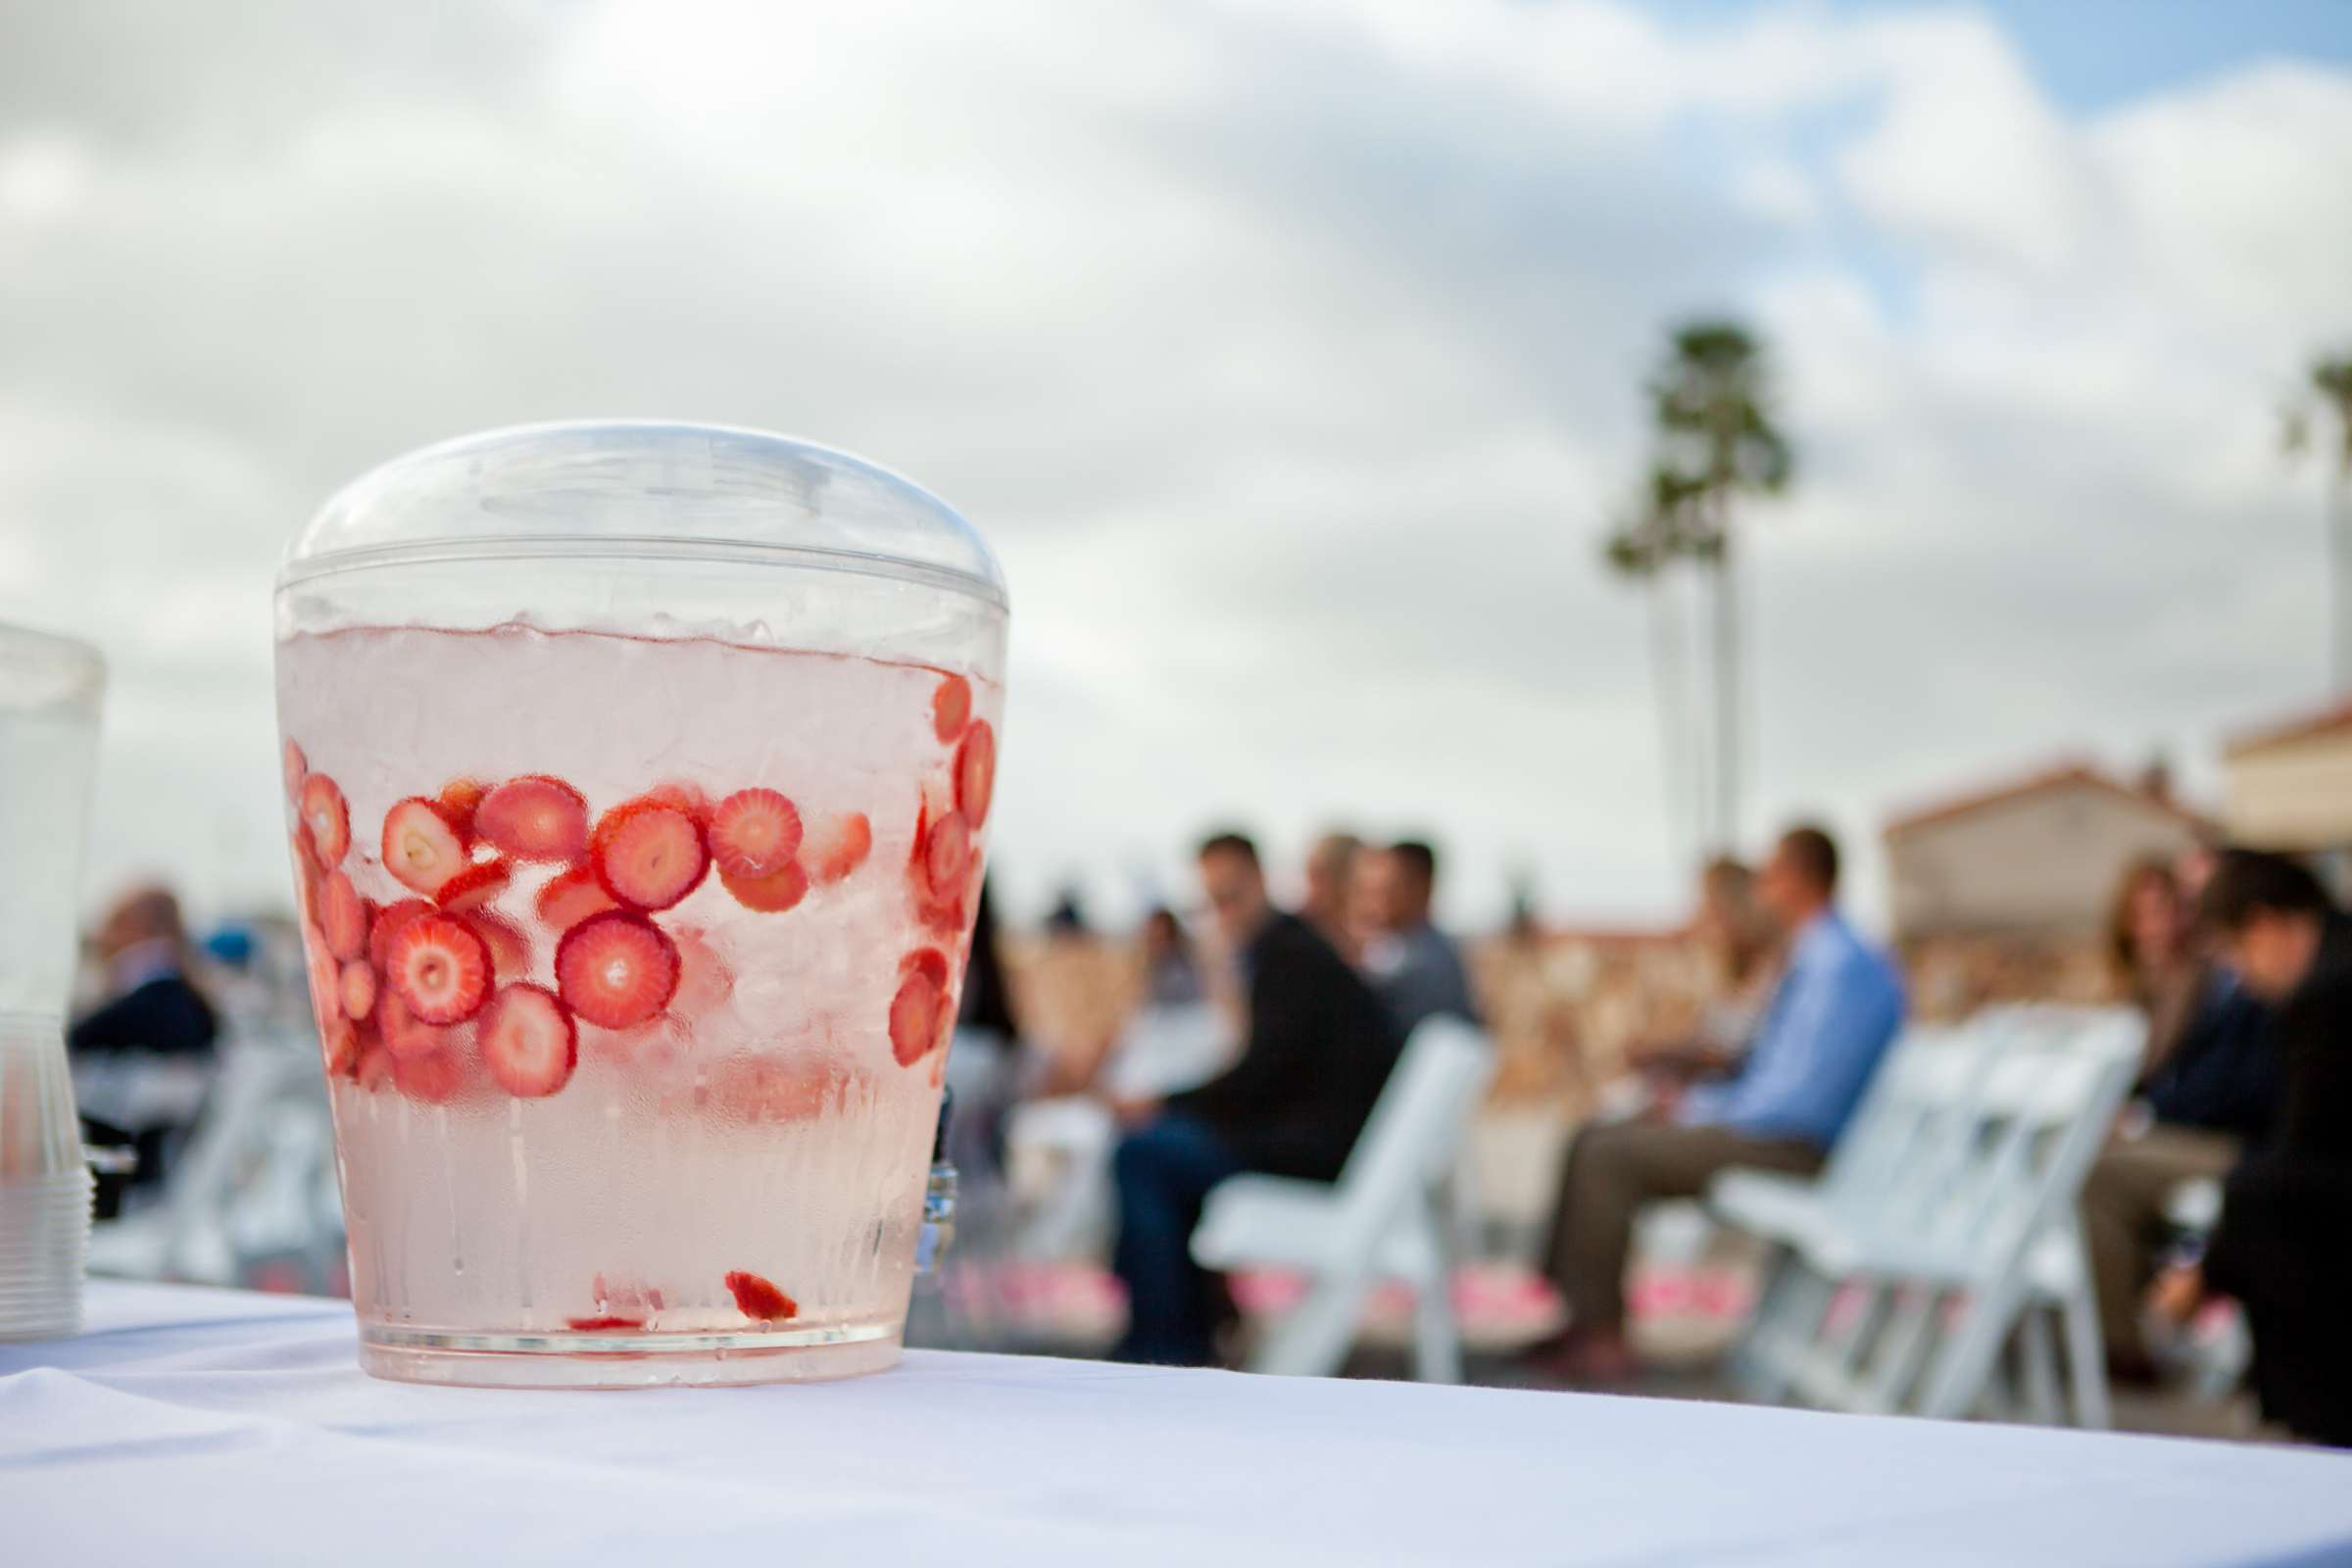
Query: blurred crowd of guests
x: 2241, y: 961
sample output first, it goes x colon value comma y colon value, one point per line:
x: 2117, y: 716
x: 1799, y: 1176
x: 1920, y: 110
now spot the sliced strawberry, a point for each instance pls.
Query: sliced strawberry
x: 440, y: 967
x: 375, y: 1068
x: 772, y: 894
x: 534, y: 818
x: 402, y: 1034
x: 609, y: 1324
x: 509, y: 949
x: 836, y: 846
x: 915, y: 1012
x: 764, y: 1087
x: 388, y: 921
x: 434, y: 1077
x: 755, y: 832
x: 460, y: 798
x: 527, y: 1040
x: 358, y: 989
x: 327, y: 817
x: 343, y: 916
x: 339, y: 1046
x: 572, y: 896
x: 648, y: 854
x: 297, y: 768
x: 421, y: 844
x: 759, y: 1298
x: 951, y: 709
x: 616, y: 969
x: 320, y: 969
x: 948, y: 856
x: 704, y: 979
x: 475, y: 886
x: 687, y: 797
x: 976, y: 772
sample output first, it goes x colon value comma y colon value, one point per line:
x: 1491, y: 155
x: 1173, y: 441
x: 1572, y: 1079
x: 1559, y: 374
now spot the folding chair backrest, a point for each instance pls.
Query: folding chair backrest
x: 1903, y: 1137
x: 1415, y: 1130
x: 2035, y: 1122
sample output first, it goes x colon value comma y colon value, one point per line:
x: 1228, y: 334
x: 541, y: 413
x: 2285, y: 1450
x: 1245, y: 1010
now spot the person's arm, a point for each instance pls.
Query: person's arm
x: 1800, y: 1077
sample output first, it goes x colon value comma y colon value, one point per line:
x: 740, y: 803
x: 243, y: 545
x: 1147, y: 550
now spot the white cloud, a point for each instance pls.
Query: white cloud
x: 1290, y: 354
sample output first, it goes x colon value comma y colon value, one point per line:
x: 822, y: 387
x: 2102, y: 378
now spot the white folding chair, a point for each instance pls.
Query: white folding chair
x: 1385, y: 1219
x: 1944, y: 1225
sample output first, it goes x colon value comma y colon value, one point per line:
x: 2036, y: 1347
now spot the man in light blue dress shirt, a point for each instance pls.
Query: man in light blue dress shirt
x: 1836, y: 1007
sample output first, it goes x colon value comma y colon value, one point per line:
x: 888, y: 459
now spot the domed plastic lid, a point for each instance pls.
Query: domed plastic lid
x: 644, y: 490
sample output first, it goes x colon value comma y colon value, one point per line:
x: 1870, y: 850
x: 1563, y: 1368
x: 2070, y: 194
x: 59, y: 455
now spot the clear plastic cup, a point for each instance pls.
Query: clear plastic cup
x: 637, y: 778
x: 50, y: 689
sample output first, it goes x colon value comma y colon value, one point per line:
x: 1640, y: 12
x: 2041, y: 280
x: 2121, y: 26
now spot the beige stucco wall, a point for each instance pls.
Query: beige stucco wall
x: 2297, y: 795
x: 2046, y: 861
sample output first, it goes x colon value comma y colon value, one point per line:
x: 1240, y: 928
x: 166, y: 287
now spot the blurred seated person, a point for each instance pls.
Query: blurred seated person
x: 133, y: 1052
x: 1317, y: 1050
x: 1171, y: 974
x: 2287, y: 1210
x: 1414, y: 968
x: 1744, y: 946
x: 1837, y: 1006
x: 2207, y: 1091
x: 1330, y: 889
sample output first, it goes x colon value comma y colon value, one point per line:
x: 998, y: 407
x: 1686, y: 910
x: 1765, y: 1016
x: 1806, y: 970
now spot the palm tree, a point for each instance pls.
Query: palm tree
x: 1711, y: 401
x: 2328, y: 389
x: 1657, y: 531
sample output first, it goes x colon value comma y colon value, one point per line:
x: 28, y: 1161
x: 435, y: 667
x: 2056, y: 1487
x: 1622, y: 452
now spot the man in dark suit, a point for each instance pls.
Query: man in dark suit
x: 1318, y: 1051
x: 2282, y: 1246
x: 152, y: 1012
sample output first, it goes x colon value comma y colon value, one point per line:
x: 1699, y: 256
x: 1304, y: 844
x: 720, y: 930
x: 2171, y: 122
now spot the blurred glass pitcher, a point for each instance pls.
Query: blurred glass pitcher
x: 49, y: 695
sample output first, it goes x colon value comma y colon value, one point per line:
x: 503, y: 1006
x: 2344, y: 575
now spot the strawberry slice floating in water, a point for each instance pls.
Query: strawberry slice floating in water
x: 462, y: 797
x: 948, y: 856
x: 534, y: 817
x: 421, y: 846
x: 648, y: 854
x: 509, y: 949
x: 401, y: 1032
x: 325, y: 813
x: 434, y: 1077
x: 772, y: 894
x: 616, y: 970
x: 475, y: 886
x: 835, y: 846
x: 759, y: 1298
x: 765, y: 1087
x: 571, y: 896
x: 374, y: 1070
x: 754, y: 833
x: 919, y: 1011
x: 685, y: 797
x: 976, y: 772
x: 343, y: 916
x: 388, y: 921
x: 440, y: 967
x: 358, y: 989
x: 951, y: 709
x: 527, y: 1040
x: 339, y: 1044
x: 297, y: 768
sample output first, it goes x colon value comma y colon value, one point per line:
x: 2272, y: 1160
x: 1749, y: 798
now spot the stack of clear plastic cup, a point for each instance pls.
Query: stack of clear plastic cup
x: 49, y: 694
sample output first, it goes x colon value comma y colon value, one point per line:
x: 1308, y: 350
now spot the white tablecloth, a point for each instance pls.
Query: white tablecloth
x: 204, y: 1426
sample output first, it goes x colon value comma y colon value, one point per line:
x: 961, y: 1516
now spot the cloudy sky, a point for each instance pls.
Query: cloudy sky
x: 1288, y: 353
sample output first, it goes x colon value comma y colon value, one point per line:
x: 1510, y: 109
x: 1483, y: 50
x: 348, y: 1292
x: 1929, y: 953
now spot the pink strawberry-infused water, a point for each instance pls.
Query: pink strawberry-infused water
x: 736, y: 1179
